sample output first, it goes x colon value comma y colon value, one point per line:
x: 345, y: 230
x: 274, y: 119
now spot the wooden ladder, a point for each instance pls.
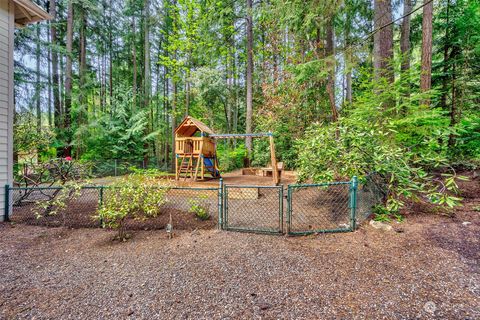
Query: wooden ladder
x: 187, y: 169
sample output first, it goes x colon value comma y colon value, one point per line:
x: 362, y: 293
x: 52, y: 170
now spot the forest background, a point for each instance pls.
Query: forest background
x: 347, y: 87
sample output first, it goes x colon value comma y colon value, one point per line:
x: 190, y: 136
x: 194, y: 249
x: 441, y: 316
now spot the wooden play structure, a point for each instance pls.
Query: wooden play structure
x: 195, y: 151
x: 196, y: 156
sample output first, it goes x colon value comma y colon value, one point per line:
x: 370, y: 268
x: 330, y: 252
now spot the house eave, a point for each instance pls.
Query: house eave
x: 28, y: 12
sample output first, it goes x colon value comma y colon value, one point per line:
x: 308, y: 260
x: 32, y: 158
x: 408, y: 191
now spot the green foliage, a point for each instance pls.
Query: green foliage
x: 67, y: 177
x: 30, y: 141
x: 200, y: 207
x: 133, y: 197
x: 53, y: 172
x: 58, y: 203
x: 119, y: 135
x: 382, y: 214
x: 467, y: 140
x: 401, y: 143
x: 209, y: 90
x: 230, y: 158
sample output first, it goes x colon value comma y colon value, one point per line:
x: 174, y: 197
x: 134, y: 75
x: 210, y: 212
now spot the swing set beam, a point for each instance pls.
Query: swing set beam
x: 240, y: 135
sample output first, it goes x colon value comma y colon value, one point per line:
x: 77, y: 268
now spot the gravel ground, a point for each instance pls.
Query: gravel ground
x: 428, y: 268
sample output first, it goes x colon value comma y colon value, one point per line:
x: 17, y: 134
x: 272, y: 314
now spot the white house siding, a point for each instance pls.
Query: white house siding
x: 6, y: 97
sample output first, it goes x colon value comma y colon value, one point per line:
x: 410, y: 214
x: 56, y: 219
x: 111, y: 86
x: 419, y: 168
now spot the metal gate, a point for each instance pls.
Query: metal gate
x: 253, y: 209
x: 321, y: 208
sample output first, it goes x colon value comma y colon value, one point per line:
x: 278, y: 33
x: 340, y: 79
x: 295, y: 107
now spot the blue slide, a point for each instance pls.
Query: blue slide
x: 210, y: 167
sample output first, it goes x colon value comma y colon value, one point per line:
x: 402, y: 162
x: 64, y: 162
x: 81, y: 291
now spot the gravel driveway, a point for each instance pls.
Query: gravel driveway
x: 427, y: 268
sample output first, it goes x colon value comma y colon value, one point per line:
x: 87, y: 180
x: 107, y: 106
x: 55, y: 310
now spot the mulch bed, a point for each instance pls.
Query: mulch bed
x: 428, y: 267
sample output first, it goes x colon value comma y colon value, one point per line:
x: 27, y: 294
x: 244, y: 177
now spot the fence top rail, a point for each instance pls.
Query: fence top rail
x: 36, y: 188
x: 111, y: 187
x: 252, y: 187
x: 324, y: 184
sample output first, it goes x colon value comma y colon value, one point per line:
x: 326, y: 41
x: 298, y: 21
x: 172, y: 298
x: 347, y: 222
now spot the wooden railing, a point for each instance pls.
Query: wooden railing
x: 188, y: 145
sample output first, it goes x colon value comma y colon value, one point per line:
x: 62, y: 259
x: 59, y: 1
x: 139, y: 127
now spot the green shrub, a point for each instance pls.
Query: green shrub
x: 59, y: 200
x: 200, y: 207
x: 467, y: 139
x: 230, y: 158
x: 402, y: 143
x: 382, y: 214
x: 133, y: 197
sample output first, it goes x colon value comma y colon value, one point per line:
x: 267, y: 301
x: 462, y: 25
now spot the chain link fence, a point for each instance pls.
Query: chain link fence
x: 311, y: 208
x: 120, y: 167
x: 332, y: 207
x: 318, y: 208
x: 254, y: 209
x: 371, y: 191
x: 37, y: 206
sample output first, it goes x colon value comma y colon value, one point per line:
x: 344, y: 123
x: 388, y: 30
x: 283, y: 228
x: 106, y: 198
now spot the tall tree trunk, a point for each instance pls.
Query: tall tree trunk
x: 383, y: 40
x: 82, y: 94
x: 38, y: 85
x: 67, y: 152
x: 147, y: 67
x: 61, y: 89
x: 57, y: 107
x: 348, y: 58
x: 187, y: 92
x: 426, y: 73
x: 330, y: 52
x: 249, y: 78
x: 174, y: 113
x: 147, y: 76
x: 49, y: 75
x: 134, y: 60
x: 446, y: 49
x: 166, y: 107
x: 405, y: 44
x: 235, y: 99
x: 453, y: 108
x: 110, y: 53
x: 174, y: 77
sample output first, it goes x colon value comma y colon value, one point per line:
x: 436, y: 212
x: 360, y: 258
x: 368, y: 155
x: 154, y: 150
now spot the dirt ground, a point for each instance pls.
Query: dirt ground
x: 428, y: 267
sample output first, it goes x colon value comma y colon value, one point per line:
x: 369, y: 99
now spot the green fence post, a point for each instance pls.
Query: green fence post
x: 280, y: 207
x: 220, y: 204
x: 353, y: 202
x: 6, y: 216
x: 225, y: 207
x: 289, y: 207
x: 100, y: 203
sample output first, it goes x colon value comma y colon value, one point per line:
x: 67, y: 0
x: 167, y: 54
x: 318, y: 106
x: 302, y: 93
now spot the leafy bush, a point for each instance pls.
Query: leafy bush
x: 468, y: 139
x: 29, y: 140
x: 200, y: 207
x: 401, y: 143
x: 133, y: 197
x: 382, y: 214
x: 58, y: 202
x: 230, y: 158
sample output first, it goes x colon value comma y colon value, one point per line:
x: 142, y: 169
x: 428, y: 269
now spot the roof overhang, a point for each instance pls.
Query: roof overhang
x: 28, y: 12
x: 189, y: 126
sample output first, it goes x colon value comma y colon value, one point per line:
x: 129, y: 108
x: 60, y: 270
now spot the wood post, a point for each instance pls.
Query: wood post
x: 196, y: 169
x: 176, y: 167
x: 189, y: 167
x: 274, y: 161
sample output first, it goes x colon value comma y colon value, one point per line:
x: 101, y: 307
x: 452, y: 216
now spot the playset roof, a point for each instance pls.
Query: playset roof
x: 190, y: 125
